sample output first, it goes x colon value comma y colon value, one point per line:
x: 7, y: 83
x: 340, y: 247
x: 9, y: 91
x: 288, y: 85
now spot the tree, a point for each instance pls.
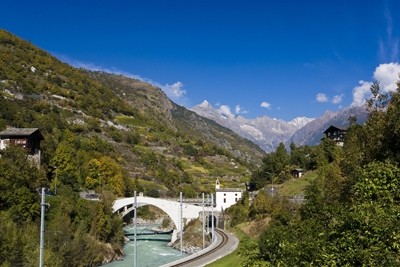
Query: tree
x: 261, y: 205
x: 105, y: 173
x: 273, y: 166
x: 326, y: 153
x: 378, y: 100
x: 66, y: 164
x: 354, y: 150
x: 391, y: 130
x: 19, y: 179
x: 378, y: 182
x: 281, y: 158
x: 239, y: 212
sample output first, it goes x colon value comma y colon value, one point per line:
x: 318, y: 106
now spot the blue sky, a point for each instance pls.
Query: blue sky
x: 278, y: 58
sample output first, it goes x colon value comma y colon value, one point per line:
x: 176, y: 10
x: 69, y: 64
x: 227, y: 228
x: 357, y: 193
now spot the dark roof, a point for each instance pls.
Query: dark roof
x: 21, y: 132
x: 333, y: 127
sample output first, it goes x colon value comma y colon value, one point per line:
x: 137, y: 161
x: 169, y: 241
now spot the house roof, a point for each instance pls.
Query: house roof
x: 333, y: 127
x: 20, y: 132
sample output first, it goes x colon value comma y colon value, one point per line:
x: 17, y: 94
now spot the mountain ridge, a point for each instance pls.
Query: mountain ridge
x: 268, y: 132
x: 264, y: 131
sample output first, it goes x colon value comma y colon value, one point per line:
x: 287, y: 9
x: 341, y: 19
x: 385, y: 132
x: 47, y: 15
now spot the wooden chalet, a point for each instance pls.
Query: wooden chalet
x: 28, y: 138
x: 336, y: 133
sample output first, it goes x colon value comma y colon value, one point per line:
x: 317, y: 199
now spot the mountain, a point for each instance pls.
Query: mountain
x: 105, y: 119
x: 312, y: 132
x: 155, y: 106
x: 263, y: 131
x: 268, y: 133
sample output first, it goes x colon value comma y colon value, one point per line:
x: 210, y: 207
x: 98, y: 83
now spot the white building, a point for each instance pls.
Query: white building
x: 224, y: 198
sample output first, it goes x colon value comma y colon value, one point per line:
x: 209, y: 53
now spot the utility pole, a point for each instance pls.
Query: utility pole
x: 208, y: 214
x: 43, y: 205
x: 181, y: 234
x: 204, y: 219
x: 212, y: 216
x: 135, y: 230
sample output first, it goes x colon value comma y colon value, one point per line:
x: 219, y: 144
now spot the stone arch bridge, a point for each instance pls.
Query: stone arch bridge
x: 172, y: 208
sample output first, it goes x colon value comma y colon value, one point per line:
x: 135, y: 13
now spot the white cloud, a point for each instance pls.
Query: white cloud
x: 361, y: 92
x: 321, y: 98
x: 225, y: 110
x: 265, y: 105
x: 175, y: 90
x: 337, y: 99
x: 386, y: 75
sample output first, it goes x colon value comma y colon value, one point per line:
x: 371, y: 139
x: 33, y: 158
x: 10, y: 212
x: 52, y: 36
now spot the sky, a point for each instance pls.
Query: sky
x: 281, y: 58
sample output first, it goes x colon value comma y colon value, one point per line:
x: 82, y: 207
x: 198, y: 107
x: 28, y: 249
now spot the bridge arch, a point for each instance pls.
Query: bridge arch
x: 171, y: 207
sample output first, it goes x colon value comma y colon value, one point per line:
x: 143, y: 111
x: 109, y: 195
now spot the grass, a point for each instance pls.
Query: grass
x: 196, y: 170
x: 245, y: 232
x: 297, y: 186
x: 148, y: 185
x: 231, y: 260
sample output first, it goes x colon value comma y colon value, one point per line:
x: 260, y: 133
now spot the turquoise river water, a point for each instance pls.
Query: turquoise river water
x: 151, y: 253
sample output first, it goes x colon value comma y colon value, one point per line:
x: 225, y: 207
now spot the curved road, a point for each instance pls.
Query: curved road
x: 224, y: 245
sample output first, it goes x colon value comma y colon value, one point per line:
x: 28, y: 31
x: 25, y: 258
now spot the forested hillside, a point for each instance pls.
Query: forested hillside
x: 350, y: 216
x: 104, y: 133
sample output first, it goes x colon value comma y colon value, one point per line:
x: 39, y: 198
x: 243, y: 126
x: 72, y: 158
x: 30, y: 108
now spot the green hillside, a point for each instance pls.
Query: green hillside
x: 105, y: 133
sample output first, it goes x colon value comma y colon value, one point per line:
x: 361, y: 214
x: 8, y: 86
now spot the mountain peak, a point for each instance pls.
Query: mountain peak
x: 205, y: 104
x: 300, y: 121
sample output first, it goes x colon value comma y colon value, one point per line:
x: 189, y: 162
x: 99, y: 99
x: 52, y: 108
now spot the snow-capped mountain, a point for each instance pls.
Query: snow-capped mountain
x: 300, y: 121
x: 267, y: 132
x: 263, y: 131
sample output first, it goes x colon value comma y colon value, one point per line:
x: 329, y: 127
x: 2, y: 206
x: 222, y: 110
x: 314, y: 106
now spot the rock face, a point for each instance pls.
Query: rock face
x: 112, y: 254
x: 267, y: 132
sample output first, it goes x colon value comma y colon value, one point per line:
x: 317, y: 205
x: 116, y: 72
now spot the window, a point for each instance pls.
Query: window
x: 224, y: 200
x: 20, y: 141
x: 236, y: 199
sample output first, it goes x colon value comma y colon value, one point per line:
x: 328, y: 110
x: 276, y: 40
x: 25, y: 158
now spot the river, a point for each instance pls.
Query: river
x: 150, y: 253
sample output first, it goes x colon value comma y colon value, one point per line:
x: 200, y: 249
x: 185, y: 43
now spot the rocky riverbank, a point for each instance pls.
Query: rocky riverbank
x: 192, y: 238
x: 112, y: 254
